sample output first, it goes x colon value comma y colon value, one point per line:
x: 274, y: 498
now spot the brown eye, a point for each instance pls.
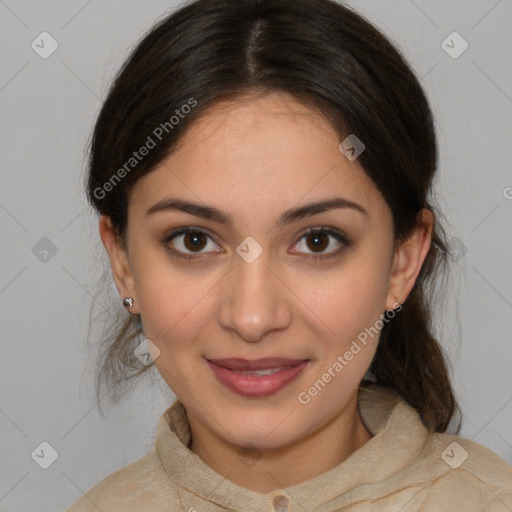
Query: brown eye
x: 318, y: 240
x: 194, y: 240
x: 189, y: 240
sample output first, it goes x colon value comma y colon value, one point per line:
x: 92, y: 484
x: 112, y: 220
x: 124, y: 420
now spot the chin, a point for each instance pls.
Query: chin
x: 264, y: 431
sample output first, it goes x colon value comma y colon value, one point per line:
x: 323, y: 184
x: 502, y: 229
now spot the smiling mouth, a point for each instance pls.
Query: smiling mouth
x: 257, y: 378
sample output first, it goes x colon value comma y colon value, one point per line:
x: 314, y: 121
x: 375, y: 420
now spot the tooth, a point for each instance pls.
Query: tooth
x: 268, y: 371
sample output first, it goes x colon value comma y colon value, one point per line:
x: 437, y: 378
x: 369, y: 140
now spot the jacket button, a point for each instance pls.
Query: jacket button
x: 280, y: 504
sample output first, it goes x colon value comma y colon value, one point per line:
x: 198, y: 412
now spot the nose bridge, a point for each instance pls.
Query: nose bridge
x: 254, y: 302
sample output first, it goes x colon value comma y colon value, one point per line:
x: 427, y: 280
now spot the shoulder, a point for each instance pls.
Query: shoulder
x: 464, y: 473
x: 141, y: 484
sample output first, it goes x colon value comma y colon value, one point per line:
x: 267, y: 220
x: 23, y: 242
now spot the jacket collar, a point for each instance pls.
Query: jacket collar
x: 399, y: 437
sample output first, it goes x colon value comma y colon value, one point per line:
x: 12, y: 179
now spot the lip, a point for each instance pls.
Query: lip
x: 255, y: 385
x: 236, y: 363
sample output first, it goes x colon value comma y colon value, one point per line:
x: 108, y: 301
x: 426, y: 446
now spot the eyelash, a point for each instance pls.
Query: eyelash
x: 314, y: 231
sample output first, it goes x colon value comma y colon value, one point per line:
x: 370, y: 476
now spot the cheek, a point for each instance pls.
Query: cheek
x: 350, y: 307
x: 349, y: 299
x: 172, y: 313
x: 165, y: 295
x: 177, y: 306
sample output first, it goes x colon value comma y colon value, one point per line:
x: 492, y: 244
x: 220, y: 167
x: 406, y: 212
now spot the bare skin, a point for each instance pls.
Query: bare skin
x: 254, y: 159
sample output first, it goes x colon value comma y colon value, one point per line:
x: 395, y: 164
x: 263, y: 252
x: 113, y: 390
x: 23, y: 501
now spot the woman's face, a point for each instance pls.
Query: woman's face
x: 252, y: 288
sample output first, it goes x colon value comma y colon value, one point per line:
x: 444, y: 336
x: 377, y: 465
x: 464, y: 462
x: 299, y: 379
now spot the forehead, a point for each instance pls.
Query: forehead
x: 258, y: 152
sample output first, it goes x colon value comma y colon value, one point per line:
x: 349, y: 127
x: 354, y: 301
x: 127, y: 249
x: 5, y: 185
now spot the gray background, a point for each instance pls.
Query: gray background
x: 48, y: 107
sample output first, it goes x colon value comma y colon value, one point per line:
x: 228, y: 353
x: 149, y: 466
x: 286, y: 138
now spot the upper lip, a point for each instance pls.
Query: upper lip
x: 235, y: 363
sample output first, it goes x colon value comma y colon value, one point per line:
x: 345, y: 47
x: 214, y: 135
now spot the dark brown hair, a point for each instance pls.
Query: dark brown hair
x: 328, y: 57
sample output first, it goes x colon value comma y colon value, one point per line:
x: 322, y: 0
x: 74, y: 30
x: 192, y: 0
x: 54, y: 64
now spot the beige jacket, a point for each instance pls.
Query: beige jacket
x: 402, y: 468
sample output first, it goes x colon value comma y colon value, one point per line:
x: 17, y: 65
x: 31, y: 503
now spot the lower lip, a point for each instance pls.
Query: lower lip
x: 255, y: 385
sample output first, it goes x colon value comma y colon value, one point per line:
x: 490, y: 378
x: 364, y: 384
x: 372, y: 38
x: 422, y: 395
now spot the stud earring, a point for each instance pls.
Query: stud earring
x: 128, y: 303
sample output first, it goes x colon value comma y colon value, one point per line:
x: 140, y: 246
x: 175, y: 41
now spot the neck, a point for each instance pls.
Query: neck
x: 264, y: 471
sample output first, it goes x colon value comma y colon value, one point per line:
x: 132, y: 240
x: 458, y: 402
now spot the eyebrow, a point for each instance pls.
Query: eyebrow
x: 289, y: 216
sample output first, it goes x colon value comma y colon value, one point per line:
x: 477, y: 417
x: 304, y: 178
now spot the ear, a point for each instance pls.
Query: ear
x: 119, y: 262
x: 408, y: 260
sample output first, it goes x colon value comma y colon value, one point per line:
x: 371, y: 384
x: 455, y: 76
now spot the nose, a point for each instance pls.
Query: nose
x: 255, y: 299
